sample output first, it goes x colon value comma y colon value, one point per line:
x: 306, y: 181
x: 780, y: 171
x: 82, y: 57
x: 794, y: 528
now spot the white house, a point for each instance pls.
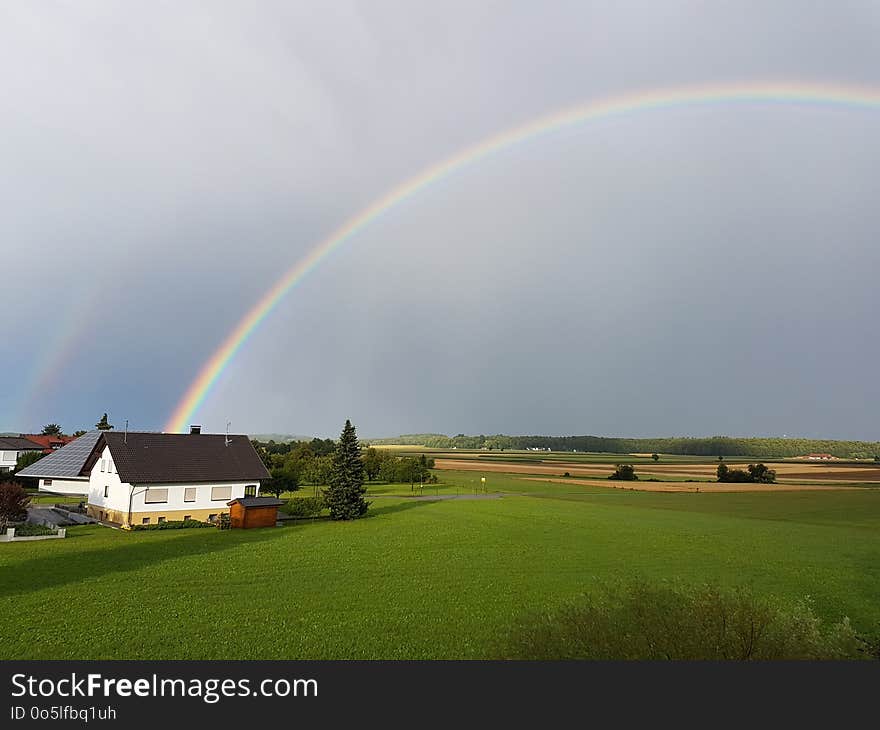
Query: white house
x: 145, y: 478
x: 11, y: 448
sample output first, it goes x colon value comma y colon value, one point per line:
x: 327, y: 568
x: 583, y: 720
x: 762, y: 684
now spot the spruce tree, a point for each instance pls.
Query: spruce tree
x: 103, y: 424
x: 345, y: 492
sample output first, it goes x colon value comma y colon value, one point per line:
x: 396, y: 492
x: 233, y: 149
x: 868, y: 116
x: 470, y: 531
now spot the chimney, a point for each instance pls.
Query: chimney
x: 195, y: 430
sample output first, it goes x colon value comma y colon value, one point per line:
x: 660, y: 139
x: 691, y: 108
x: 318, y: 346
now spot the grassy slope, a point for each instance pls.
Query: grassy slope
x: 422, y: 579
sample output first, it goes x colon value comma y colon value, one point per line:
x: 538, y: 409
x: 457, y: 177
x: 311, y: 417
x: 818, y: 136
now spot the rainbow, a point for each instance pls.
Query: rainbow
x: 783, y: 93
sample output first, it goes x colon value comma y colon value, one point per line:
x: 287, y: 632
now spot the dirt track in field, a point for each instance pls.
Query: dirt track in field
x: 712, y: 487
x: 784, y: 471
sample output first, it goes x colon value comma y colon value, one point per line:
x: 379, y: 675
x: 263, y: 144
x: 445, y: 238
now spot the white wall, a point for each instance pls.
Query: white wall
x: 119, y: 492
x: 103, y: 475
x: 65, y: 486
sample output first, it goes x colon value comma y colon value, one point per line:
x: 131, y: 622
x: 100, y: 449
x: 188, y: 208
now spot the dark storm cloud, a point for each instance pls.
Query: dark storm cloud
x: 688, y: 272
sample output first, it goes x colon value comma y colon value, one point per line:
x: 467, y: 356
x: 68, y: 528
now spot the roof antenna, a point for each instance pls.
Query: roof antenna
x: 125, y: 437
x: 227, y: 432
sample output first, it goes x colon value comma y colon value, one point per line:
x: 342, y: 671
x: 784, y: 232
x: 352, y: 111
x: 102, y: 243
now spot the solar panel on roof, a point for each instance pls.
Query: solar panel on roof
x: 67, y: 462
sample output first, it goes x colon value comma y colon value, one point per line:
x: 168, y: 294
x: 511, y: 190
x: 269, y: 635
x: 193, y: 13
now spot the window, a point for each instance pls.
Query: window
x: 103, y: 464
x: 250, y: 490
x: 109, y: 466
x: 106, y: 491
x: 161, y: 519
x: 187, y: 517
x: 145, y: 521
x: 218, y: 493
x: 154, y: 496
x: 189, y: 494
x: 47, y: 482
x: 212, y: 518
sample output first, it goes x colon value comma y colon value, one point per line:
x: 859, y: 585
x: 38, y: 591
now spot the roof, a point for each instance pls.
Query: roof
x: 48, y: 442
x: 168, y: 458
x: 256, y: 502
x: 17, y: 443
x: 65, y: 463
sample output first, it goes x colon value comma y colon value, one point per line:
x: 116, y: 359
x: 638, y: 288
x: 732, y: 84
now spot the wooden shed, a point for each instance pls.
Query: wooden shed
x: 245, y: 512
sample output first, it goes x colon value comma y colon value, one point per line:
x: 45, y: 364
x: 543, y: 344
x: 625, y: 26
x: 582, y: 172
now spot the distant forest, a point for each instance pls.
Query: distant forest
x: 710, y: 446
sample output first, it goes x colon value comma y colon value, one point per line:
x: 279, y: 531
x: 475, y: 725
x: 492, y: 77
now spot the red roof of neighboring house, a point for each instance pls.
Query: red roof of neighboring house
x: 49, y: 443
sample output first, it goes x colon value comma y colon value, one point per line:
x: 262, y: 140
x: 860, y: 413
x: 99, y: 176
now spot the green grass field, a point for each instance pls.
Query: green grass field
x: 423, y: 579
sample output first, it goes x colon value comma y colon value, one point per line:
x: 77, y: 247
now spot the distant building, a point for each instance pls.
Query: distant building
x: 140, y: 478
x: 11, y: 447
x: 818, y: 457
x: 49, y: 443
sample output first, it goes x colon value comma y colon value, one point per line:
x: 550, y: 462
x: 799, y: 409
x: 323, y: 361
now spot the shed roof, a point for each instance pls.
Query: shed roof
x: 256, y: 502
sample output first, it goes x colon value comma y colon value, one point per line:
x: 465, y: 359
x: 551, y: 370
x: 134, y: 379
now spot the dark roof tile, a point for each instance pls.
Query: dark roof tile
x: 165, y: 458
x: 16, y: 443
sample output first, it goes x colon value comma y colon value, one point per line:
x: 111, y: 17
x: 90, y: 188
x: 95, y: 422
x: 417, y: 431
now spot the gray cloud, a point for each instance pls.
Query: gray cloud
x: 694, y: 271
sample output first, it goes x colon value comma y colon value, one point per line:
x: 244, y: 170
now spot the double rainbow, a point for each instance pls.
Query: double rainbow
x: 781, y: 93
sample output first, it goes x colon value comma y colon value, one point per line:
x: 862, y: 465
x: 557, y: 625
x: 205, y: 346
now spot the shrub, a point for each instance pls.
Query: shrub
x: 14, y: 501
x: 624, y: 473
x: 223, y: 522
x: 303, y: 506
x: 668, y: 621
x: 173, y: 525
x: 755, y: 473
x: 30, y: 530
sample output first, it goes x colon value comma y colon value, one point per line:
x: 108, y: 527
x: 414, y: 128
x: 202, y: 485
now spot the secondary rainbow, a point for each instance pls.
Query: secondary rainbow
x: 783, y: 93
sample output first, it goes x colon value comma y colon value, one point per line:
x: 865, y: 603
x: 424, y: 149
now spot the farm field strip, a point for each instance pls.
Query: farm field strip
x: 713, y: 487
x: 785, y: 472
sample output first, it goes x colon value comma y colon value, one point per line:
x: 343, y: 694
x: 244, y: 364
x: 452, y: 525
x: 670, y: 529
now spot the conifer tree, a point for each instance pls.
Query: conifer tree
x: 345, y: 492
x: 103, y: 424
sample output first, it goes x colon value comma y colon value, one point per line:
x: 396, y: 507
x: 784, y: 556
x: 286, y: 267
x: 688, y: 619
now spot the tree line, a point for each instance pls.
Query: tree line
x: 686, y: 446
x: 295, y: 464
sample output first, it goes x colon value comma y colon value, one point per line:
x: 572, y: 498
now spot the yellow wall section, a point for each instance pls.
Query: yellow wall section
x: 118, y: 517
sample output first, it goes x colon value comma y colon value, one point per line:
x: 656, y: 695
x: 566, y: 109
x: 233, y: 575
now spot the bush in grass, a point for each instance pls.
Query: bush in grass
x: 754, y: 473
x: 624, y: 473
x: 668, y: 621
x: 303, y: 506
x: 224, y: 522
x: 173, y: 525
x: 30, y: 530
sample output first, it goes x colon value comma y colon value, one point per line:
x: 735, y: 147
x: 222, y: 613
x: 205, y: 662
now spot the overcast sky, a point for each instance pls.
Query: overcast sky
x: 697, y: 271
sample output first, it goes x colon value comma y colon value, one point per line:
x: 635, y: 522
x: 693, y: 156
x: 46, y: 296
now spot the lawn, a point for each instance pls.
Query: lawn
x: 423, y: 579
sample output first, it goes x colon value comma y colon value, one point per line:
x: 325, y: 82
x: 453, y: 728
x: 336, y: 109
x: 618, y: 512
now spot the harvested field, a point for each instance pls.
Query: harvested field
x: 519, y: 468
x: 714, y: 487
x: 785, y: 471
